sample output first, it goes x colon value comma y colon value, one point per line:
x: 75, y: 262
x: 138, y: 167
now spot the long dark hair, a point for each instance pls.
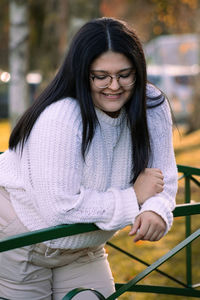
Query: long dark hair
x: 72, y: 80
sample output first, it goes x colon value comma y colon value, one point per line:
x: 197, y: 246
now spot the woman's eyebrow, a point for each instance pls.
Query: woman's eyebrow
x: 122, y: 70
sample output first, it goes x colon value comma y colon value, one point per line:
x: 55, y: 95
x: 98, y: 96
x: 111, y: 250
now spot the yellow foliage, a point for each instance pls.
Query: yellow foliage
x: 4, y: 134
x: 191, y: 3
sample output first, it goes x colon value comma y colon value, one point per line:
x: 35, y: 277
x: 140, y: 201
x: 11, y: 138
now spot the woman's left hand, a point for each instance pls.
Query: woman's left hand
x: 148, y: 226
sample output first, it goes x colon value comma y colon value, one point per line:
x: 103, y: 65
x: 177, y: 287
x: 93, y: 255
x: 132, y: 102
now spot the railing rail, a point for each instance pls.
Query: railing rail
x: 42, y: 235
x: 187, y: 209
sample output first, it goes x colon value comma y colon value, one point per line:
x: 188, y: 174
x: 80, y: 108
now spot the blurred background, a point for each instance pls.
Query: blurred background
x: 35, y: 34
x: 34, y: 37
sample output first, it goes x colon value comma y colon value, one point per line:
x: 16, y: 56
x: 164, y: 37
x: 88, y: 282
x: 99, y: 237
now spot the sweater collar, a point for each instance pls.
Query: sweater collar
x: 103, y: 117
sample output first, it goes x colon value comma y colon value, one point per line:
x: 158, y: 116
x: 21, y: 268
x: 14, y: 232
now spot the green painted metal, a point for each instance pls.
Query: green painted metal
x: 182, y: 210
x: 188, y: 173
x: 154, y: 266
x: 162, y: 290
x: 195, y: 180
x: 42, y: 235
x: 188, y: 170
x: 147, y: 264
x: 50, y: 233
x: 77, y: 291
x: 187, y: 233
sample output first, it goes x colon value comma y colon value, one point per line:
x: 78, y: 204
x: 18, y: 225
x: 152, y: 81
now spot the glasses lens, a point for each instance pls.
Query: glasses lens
x: 102, y: 82
x: 127, y: 79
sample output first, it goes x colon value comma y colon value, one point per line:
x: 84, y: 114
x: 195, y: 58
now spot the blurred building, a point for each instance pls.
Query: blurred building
x: 173, y: 64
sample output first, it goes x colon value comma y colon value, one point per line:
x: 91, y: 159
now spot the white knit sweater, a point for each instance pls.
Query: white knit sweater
x: 50, y: 184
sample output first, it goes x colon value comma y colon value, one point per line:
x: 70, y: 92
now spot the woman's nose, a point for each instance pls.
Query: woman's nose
x: 114, y: 84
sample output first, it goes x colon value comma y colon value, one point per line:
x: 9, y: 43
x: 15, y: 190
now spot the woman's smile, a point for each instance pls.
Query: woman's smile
x: 112, y: 96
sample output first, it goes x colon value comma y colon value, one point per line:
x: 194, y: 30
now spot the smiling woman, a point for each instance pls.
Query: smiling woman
x: 112, y: 82
x: 95, y: 147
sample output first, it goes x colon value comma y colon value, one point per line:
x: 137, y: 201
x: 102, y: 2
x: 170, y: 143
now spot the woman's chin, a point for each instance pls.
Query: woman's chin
x: 112, y: 114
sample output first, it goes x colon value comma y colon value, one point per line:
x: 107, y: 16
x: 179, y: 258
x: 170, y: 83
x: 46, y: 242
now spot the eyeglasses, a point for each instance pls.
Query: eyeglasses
x: 103, y: 81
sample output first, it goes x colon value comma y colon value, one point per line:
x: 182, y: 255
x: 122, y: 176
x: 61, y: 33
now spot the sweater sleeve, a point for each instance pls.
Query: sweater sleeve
x: 56, y: 168
x: 160, y: 129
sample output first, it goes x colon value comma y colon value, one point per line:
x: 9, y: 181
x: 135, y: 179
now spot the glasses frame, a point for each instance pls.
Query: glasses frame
x: 117, y: 76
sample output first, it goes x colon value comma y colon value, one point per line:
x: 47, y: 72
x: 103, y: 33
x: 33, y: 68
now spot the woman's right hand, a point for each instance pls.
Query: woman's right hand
x: 148, y: 184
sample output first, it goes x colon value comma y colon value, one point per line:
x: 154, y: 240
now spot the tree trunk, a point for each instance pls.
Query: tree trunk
x: 81, y: 11
x: 18, y: 59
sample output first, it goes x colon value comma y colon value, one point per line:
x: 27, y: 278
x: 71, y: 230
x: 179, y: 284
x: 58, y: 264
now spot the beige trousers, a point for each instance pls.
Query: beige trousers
x: 36, y: 272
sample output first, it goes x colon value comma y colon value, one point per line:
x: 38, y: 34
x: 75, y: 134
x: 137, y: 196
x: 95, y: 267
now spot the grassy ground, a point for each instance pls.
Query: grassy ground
x: 187, y: 150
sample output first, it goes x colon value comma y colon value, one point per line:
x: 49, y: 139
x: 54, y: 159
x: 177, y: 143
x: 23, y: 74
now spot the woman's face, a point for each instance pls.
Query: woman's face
x: 118, y: 89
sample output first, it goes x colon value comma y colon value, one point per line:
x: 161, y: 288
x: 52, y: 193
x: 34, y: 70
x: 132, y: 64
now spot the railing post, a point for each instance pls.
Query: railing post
x: 188, y: 232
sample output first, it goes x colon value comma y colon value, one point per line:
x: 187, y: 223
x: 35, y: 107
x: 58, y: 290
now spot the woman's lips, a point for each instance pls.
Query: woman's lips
x: 112, y: 96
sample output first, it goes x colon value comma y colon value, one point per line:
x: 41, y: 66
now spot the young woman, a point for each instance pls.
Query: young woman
x: 95, y: 147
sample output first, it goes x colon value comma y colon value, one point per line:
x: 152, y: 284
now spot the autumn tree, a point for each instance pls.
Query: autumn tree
x: 152, y: 18
x: 81, y: 11
x: 52, y: 24
x: 4, y: 28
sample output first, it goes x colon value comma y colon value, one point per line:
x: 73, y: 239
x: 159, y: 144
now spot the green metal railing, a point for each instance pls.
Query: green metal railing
x: 188, y: 176
x: 185, y: 288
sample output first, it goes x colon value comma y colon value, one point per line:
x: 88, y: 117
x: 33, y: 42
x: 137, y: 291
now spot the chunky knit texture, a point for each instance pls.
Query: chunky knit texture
x: 50, y: 184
